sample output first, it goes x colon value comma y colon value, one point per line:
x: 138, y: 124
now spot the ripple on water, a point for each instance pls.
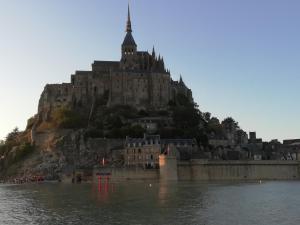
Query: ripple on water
x: 137, y: 203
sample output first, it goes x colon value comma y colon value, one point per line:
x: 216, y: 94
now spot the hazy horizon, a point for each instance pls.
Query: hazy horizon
x: 240, y: 58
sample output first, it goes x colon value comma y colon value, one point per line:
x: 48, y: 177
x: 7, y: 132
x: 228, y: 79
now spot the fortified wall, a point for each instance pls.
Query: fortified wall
x: 203, y: 170
x: 238, y: 170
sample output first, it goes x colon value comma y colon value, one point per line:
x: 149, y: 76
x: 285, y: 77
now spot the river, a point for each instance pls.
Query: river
x: 148, y: 202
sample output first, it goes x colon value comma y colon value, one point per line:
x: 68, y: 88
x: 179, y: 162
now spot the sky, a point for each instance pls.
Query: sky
x: 241, y: 58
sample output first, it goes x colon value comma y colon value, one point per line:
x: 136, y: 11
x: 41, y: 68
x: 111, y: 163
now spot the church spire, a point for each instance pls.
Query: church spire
x: 128, y: 25
x: 129, y: 46
x: 180, y: 80
x: 153, y: 52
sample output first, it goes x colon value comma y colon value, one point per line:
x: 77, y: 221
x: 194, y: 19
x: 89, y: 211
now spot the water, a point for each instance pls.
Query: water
x: 133, y: 203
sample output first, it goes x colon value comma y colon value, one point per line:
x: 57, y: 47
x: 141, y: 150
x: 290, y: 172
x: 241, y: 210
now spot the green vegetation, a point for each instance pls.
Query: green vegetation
x: 132, y: 131
x: 186, y: 121
x: 68, y: 118
x: 12, y: 138
x: 22, y: 151
x: 114, y: 122
x: 13, y: 151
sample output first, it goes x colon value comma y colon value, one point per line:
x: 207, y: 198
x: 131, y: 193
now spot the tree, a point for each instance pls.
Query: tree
x: 13, y: 136
x: 113, y: 121
x: 186, y: 117
x: 206, y: 116
x: 67, y: 118
x: 214, y: 126
x: 230, y: 124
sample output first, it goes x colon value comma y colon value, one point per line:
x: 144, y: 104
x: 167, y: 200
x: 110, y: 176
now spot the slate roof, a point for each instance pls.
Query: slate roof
x: 128, y: 40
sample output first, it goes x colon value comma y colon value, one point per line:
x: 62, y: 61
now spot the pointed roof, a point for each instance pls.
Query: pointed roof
x: 153, y: 52
x: 180, y: 80
x: 129, y: 40
x: 128, y: 25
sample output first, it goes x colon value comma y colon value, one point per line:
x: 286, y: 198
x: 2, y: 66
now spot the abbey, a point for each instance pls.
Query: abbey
x: 139, y: 79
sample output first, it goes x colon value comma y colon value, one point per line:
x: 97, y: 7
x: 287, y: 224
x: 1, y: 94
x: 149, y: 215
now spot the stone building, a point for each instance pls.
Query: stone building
x: 143, y: 152
x: 185, y: 148
x: 139, y: 79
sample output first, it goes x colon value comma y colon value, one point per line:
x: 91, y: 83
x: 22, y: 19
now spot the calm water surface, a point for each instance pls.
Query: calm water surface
x: 133, y: 203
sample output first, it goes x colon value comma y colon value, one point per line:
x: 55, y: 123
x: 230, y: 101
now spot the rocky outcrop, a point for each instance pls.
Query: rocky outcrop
x: 63, y: 152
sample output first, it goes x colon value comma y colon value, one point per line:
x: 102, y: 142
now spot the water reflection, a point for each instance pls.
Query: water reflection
x: 148, y: 202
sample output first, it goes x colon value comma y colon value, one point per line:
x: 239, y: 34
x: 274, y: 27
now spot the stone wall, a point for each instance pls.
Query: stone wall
x: 201, y: 170
x: 238, y: 170
x: 128, y: 173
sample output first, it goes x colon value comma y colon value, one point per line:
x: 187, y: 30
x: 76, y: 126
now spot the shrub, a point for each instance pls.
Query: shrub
x: 24, y: 150
x: 131, y: 131
x: 94, y: 133
x: 67, y: 118
x: 12, y: 137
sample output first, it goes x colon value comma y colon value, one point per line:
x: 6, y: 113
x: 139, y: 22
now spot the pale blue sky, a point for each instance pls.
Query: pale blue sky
x: 240, y: 57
